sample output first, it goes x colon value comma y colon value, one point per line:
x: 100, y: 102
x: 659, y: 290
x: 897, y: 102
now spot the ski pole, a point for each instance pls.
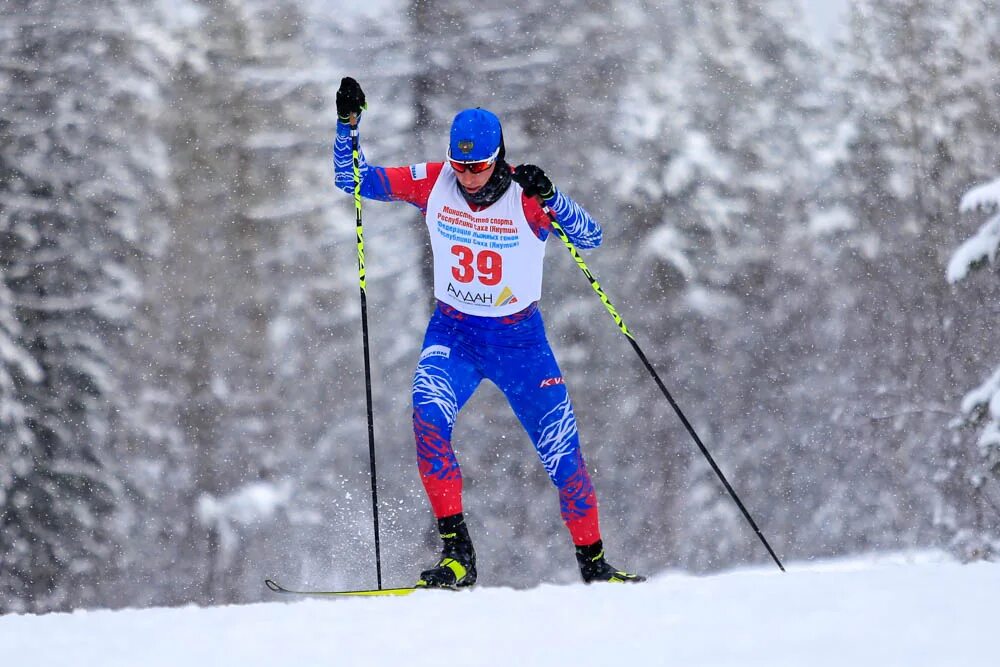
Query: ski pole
x: 561, y: 233
x: 356, y: 153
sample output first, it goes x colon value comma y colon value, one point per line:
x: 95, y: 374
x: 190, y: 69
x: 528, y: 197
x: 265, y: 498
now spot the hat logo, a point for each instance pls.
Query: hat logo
x: 465, y: 146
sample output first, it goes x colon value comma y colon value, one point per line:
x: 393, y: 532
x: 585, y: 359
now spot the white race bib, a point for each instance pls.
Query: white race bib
x: 486, y: 263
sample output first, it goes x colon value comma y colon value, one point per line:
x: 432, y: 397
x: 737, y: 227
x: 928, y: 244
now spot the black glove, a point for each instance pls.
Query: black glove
x: 350, y: 99
x: 534, y: 181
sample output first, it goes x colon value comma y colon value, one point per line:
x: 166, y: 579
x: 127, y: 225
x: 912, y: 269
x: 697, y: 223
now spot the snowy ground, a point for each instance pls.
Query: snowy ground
x: 911, y: 611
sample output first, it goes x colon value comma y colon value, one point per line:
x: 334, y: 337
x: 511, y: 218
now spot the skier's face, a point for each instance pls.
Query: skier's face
x: 472, y: 182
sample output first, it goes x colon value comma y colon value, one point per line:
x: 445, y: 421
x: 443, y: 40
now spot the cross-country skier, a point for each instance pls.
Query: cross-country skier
x: 487, y: 232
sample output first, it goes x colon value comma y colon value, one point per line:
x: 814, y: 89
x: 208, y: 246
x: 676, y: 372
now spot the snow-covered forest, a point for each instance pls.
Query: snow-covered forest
x: 802, y: 234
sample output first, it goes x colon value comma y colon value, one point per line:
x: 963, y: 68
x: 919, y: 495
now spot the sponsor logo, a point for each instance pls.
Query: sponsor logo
x: 418, y: 172
x: 435, y: 351
x: 506, y: 298
x: 470, y: 296
x: 465, y: 146
x: 551, y: 382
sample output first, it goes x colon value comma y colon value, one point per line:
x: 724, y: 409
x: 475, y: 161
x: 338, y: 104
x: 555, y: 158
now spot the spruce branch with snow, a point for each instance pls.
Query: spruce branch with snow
x: 983, y: 246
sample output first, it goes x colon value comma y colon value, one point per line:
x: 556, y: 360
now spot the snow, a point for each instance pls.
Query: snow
x: 908, y: 609
x: 668, y: 244
x: 256, y: 501
x: 827, y: 19
x: 988, y: 392
x: 986, y: 242
x: 251, y: 504
x: 982, y: 246
x: 987, y: 395
x: 832, y: 221
x: 982, y: 197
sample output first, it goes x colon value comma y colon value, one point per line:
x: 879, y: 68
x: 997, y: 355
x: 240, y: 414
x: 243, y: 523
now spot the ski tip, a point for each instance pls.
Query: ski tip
x: 271, y: 584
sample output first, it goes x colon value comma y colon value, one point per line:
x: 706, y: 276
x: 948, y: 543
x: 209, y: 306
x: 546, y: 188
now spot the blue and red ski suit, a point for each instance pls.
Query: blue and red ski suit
x: 460, y: 350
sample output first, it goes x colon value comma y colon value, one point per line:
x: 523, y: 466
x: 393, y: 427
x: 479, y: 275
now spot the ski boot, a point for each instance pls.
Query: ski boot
x: 593, y: 567
x: 457, y: 566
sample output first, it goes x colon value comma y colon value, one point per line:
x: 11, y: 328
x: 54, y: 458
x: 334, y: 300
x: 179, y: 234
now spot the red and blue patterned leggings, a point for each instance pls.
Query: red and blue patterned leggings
x: 461, y: 350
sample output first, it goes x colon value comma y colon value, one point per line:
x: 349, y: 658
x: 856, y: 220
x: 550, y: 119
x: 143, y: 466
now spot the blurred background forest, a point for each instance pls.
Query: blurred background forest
x: 182, y: 403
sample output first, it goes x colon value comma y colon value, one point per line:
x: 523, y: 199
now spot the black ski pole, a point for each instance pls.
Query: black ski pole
x: 356, y: 152
x: 561, y: 233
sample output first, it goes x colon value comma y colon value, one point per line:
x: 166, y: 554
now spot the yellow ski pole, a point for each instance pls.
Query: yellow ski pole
x: 356, y: 152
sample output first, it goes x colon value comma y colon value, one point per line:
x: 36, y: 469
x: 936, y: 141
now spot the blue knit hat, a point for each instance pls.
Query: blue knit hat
x: 475, y: 135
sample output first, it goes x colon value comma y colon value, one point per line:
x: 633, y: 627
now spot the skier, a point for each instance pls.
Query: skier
x: 487, y: 232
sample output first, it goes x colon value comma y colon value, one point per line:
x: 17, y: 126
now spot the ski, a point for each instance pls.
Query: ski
x: 278, y: 588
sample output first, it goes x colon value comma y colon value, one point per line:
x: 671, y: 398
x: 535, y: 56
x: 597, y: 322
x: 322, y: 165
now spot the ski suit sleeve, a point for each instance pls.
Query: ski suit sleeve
x: 411, y: 184
x: 580, y: 227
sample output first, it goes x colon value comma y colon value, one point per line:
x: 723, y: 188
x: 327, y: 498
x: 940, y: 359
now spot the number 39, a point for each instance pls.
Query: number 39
x: 488, y: 264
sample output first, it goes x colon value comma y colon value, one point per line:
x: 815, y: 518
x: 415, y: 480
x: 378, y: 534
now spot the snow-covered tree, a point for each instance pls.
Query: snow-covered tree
x: 248, y: 132
x: 974, y: 526
x: 82, y: 189
x: 715, y: 126
x: 922, y: 122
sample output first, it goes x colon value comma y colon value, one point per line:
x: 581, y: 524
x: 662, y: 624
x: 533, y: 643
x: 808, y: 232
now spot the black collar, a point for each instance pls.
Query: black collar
x: 494, y: 189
